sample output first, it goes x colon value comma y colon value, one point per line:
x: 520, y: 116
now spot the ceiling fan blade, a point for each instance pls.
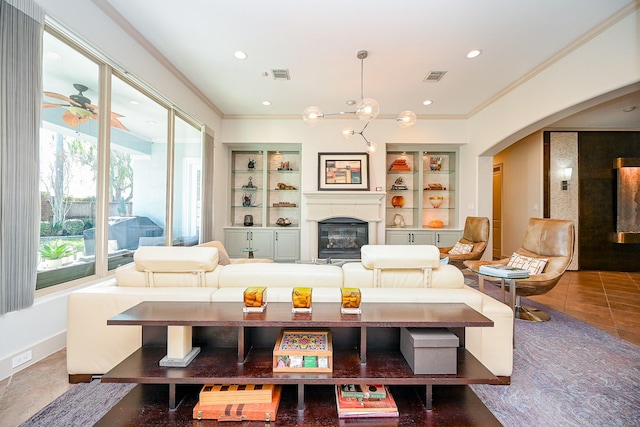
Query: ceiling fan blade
x: 116, y: 123
x: 50, y: 105
x: 61, y: 97
x: 114, y: 118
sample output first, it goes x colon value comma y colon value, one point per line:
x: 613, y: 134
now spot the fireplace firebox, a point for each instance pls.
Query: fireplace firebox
x: 342, y: 237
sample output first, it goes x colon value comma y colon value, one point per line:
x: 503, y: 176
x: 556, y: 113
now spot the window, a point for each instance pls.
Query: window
x: 135, y: 204
x: 68, y: 139
x: 187, y: 183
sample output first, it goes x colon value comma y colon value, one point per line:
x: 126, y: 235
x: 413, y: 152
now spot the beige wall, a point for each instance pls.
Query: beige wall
x: 522, y: 189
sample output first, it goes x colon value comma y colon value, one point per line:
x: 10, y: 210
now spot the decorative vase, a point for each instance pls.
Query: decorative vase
x: 397, y: 201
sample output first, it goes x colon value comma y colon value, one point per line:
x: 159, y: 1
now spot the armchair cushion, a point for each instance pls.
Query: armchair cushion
x: 532, y: 265
x: 461, y: 248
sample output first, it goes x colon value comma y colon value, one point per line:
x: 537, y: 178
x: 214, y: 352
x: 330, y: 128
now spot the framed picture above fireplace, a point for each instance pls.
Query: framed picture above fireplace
x: 343, y: 171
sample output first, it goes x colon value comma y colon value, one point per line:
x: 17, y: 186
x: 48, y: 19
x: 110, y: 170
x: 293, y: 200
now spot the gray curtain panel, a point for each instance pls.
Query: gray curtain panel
x: 21, y: 27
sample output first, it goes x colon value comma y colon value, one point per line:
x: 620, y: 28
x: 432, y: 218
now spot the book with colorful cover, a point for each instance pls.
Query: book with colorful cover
x: 352, y: 407
x: 364, y: 391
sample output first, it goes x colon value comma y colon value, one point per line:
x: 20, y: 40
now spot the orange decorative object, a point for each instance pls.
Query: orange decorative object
x: 397, y: 201
x: 435, y: 223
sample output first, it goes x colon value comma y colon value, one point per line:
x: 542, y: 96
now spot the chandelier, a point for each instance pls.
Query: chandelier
x: 366, y: 110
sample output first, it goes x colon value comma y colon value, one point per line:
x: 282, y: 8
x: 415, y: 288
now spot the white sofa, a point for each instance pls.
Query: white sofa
x: 196, y: 274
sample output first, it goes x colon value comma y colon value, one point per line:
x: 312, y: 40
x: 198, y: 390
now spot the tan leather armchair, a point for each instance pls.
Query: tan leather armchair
x: 552, y: 239
x: 476, y: 233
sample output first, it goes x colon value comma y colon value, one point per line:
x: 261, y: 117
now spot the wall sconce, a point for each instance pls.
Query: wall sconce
x: 567, y: 177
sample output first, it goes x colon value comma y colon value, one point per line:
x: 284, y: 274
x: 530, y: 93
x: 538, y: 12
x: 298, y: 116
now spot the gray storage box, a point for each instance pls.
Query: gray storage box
x: 430, y: 350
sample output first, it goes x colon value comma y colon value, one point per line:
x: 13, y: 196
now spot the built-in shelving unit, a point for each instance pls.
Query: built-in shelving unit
x: 421, y: 205
x: 264, y: 202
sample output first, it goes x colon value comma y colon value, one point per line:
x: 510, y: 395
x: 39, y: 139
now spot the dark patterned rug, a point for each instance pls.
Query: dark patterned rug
x: 566, y: 373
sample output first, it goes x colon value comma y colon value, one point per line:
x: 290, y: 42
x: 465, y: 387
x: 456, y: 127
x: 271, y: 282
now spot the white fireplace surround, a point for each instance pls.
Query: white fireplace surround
x: 363, y: 205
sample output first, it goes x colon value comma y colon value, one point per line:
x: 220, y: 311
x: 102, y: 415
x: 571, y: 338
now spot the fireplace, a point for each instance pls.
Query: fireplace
x: 342, y: 237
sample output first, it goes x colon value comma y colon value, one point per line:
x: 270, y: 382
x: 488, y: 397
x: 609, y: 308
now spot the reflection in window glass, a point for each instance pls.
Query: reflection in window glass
x: 68, y: 139
x: 187, y: 181
x: 138, y: 173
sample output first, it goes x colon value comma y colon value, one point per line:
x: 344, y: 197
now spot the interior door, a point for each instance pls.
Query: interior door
x: 497, y: 211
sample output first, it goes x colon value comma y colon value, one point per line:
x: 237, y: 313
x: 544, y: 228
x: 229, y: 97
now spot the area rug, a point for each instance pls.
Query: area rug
x: 566, y: 373
x: 82, y: 406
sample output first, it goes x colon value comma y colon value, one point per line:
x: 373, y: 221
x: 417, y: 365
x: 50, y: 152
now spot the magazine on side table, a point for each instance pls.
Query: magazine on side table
x: 505, y: 271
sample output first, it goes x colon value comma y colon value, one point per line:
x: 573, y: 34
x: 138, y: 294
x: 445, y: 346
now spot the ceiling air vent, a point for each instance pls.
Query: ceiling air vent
x: 280, y: 74
x: 434, y: 76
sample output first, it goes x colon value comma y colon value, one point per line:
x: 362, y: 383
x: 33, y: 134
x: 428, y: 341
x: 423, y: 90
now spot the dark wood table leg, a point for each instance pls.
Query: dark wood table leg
x: 300, y: 397
x: 363, y: 345
x: 172, y: 396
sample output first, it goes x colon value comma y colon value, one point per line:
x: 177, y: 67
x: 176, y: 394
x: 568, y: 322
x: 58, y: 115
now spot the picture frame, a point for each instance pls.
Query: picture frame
x: 343, y: 171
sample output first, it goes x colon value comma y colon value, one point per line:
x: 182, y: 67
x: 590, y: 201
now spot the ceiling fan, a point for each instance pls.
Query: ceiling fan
x: 79, y: 108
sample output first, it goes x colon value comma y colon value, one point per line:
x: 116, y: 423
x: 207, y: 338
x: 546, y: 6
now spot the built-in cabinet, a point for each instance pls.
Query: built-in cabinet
x: 264, y: 203
x: 421, y: 197
x: 423, y: 237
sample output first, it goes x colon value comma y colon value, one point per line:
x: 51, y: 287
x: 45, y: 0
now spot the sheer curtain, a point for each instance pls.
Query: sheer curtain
x: 21, y: 26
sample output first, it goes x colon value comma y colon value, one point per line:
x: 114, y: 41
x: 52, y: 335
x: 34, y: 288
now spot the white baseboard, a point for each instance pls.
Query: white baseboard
x: 39, y: 351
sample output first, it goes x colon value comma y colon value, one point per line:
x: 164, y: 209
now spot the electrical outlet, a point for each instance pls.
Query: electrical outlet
x: 21, y: 359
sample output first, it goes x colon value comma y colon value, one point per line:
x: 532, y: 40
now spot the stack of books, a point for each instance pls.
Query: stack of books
x: 365, y: 401
x: 400, y: 165
x: 499, y: 270
x: 235, y: 402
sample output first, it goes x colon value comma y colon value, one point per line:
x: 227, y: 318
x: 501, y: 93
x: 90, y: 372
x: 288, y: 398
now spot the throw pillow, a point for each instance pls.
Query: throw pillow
x: 461, y: 248
x: 532, y: 265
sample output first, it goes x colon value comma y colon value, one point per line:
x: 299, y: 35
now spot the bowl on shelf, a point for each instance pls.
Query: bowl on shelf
x: 397, y: 201
x: 436, y: 201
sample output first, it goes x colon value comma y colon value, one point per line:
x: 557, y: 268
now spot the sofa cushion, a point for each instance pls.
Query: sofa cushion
x: 280, y: 275
x: 176, y: 259
x: 399, y: 256
x: 443, y: 277
x: 129, y: 276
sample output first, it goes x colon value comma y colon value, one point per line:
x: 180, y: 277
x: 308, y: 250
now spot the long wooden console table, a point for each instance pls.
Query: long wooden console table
x: 365, y: 345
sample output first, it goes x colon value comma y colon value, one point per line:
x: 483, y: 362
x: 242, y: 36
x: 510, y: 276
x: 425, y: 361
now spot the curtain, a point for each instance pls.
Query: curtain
x: 21, y: 29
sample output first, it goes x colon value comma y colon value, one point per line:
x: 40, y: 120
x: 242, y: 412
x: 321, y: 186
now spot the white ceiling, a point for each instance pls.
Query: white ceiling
x: 317, y: 42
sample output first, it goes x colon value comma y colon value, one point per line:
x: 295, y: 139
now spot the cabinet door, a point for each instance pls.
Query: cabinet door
x: 286, y: 245
x: 262, y: 242
x: 235, y: 240
x: 447, y: 238
x: 398, y: 237
x: 424, y: 238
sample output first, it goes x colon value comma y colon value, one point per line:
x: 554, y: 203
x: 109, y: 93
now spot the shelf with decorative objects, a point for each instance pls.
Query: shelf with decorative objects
x: 421, y: 198
x: 264, y: 199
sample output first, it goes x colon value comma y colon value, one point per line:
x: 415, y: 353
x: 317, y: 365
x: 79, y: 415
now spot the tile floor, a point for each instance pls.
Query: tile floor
x: 607, y: 300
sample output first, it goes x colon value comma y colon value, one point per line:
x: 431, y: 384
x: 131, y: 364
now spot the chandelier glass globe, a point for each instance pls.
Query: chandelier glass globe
x: 312, y: 115
x: 367, y: 109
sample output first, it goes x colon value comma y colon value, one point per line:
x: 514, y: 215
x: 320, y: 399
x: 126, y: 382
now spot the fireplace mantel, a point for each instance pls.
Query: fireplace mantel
x: 363, y: 205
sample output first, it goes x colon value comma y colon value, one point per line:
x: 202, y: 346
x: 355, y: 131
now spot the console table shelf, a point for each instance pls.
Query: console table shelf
x: 219, y: 365
x: 365, y: 350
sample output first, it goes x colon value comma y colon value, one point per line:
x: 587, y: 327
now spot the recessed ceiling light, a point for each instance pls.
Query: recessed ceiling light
x: 267, y: 103
x: 151, y: 122
x: 134, y: 102
x: 474, y: 53
x: 629, y: 109
x: 427, y: 102
x: 240, y: 54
